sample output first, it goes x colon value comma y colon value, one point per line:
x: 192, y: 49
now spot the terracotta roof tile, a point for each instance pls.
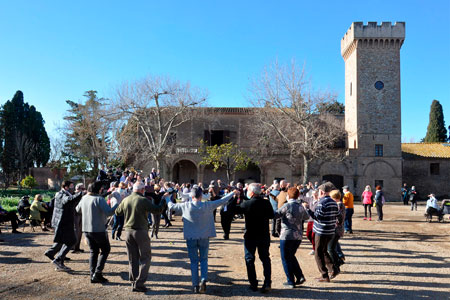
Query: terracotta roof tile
x: 436, y: 150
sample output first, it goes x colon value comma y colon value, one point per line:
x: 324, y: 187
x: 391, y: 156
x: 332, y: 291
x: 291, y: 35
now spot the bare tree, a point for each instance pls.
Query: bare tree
x: 147, y: 112
x: 292, y: 117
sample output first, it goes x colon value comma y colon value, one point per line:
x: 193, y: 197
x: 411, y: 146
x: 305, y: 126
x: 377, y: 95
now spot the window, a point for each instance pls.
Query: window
x: 171, y: 139
x: 350, y: 88
x: 217, y: 137
x: 434, y: 169
x: 378, y: 150
x: 378, y: 183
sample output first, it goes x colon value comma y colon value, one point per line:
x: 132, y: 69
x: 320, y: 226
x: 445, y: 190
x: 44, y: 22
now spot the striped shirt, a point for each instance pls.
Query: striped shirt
x: 325, y: 216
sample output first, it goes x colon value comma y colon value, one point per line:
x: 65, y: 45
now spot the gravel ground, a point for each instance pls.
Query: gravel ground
x: 402, y: 257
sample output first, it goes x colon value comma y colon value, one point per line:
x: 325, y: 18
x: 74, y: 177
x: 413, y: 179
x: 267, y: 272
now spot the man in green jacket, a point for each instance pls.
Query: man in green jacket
x: 136, y: 208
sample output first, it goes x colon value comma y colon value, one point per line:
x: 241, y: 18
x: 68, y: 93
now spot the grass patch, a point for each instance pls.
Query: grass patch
x: 11, y: 197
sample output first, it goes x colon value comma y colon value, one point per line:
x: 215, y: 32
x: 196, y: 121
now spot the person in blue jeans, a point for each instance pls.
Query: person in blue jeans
x: 258, y: 211
x: 198, y: 228
x: 292, y: 215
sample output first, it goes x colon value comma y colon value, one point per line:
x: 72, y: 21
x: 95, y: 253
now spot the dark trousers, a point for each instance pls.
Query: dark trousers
x: 139, y: 255
x: 117, y: 226
x: 166, y: 218
x: 155, y: 224
x: 59, y: 251
x: 291, y: 267
x: 368, y: 206
x: 225, y: 219
x: 405, y: 199
x: 310, y: 233
x: 97, y: 241
x: 10, y: 216
x: 413, y: 204
x: 348, y: 219
x: 78, y: 233
x: 323, y: 259
x: 332, y: 251
x: 380, y: 212
x: 263, y: 245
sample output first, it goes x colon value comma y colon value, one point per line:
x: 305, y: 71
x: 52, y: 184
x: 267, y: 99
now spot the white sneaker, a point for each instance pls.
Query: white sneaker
x: 312, y: 252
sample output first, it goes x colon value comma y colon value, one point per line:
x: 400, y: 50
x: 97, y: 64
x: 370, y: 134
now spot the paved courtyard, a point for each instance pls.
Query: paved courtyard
x: 401, y: 258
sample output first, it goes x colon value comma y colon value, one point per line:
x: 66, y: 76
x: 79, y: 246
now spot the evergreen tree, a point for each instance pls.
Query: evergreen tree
x: 436, y: 131
x: 24, y: 140
x: 87, y: 143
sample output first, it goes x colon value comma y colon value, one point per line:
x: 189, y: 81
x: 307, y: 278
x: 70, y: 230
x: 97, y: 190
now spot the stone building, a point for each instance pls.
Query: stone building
x: 427, y: 167
x: 372, y: 121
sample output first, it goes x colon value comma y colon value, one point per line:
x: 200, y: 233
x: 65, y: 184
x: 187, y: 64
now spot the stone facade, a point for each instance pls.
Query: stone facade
x: 372, y: 120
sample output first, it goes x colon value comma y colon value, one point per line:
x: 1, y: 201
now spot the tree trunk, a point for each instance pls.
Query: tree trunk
x: 228, y: 175
x: 305, y: 169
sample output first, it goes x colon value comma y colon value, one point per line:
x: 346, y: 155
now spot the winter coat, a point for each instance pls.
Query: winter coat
x: 63, y: 217
x: 36, y: 209
x: 367, y: 197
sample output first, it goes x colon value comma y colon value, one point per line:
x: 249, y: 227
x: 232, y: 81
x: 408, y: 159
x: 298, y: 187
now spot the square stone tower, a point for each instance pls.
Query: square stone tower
x: 372, y: 101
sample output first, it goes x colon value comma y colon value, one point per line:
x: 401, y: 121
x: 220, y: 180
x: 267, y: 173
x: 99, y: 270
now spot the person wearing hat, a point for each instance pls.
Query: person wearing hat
x: 349, y: 209
x: 324, y: 227
x: 198, y: 228
x: 135, y: 209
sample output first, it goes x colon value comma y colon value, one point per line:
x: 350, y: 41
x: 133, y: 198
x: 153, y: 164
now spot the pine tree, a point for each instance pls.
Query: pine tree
x: 436, y: 131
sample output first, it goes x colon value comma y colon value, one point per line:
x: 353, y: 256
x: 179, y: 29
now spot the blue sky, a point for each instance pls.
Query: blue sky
x: 57, y: 50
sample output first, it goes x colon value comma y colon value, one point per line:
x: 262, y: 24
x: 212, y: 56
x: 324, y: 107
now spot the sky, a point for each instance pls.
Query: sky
x: 56, y: 50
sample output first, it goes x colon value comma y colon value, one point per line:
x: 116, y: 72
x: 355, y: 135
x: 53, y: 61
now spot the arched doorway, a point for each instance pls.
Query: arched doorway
x: 185, y: 171
x: 337, y: 180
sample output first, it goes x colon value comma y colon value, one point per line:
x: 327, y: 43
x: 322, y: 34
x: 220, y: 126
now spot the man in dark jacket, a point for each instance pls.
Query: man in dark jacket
x: 258, y: 212
x: 227, y: 215
x: 63, y: 222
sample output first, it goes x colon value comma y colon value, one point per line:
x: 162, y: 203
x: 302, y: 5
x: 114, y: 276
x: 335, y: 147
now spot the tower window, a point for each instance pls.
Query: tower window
x: 350, y: 88
x: 434, y: 169
x: 378, y: 150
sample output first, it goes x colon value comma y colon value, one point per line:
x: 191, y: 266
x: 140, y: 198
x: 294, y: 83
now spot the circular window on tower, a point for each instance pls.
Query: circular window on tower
x: 379, y: 85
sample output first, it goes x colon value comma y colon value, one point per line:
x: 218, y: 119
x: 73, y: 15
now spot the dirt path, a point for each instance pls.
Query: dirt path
x: 400, y: 258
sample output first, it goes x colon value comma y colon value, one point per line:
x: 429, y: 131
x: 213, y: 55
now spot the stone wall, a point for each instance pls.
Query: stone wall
x: 416, y: 171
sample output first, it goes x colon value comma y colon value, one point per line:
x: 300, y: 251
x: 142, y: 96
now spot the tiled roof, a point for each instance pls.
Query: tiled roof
x: 436, y: 150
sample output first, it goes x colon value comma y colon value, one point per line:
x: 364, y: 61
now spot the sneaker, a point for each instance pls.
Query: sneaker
x: 59, y: 266
x: 288, y: 285
x: 300, y: 280
x: 266, y: 288
x: 15, y: 231
x: 312, y: 252
x: 202, y: 289
x: 364, y: 218
x: 118, y: 238
x: 254, y: 287
x: 196, y: 289
x: 226, y: 237
x: 370, y: 219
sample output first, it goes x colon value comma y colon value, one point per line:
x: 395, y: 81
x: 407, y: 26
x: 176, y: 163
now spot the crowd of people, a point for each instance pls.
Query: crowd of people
x: 136, y: 203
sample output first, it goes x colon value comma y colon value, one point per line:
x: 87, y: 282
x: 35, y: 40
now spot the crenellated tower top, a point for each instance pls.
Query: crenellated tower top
x: 371, y: 35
